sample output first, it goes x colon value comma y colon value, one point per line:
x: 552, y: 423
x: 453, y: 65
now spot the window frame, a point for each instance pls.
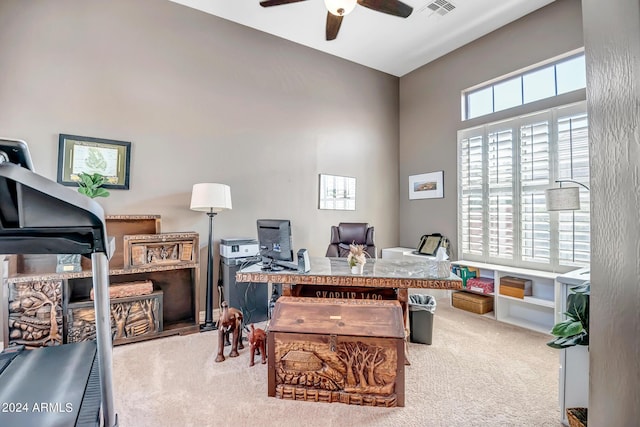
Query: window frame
x: 520, y: 74
x: 515, y: 125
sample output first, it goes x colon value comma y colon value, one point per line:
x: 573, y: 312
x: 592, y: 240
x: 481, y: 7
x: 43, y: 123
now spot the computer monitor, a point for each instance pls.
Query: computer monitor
x: 15, y: 151
x: 274, y: 238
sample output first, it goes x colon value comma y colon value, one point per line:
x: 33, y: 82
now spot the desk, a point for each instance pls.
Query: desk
x: 332, y: 278
x: 391, y: 274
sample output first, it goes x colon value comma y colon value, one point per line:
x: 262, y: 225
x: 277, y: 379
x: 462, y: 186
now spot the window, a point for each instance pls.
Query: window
x: 504, y: 170
x: 562, y: 76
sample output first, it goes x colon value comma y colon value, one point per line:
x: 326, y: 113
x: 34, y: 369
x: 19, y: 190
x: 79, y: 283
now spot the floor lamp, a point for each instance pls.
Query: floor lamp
x: 564, y: 198
x: 210, y: 198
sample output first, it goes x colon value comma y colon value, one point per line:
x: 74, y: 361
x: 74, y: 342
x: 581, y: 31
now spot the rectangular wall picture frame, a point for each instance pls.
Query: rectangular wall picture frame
x: 337, y: 192
x: 426, y: 186
x: 77, y: 154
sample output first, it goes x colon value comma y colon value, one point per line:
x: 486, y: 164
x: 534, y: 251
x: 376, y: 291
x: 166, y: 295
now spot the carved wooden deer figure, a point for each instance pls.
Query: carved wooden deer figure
x: 230, y: 321
x: 257, y: 343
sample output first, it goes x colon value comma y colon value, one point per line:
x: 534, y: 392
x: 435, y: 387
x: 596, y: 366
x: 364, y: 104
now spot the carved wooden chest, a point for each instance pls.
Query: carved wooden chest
x: 142, y: 250
x: 337, y: 350
x: 132, y: 317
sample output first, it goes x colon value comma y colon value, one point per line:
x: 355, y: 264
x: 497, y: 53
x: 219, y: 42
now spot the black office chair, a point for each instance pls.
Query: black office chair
x: 347, y: 233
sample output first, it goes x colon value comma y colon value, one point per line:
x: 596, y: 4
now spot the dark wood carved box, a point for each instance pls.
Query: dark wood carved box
x: 160, y: 249
x: 34, y: 311
x: 337, y: 350
x: 132, y: 317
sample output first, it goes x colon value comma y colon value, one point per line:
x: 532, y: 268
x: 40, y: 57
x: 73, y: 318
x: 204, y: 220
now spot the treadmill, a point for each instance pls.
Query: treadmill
x: 70, y: 384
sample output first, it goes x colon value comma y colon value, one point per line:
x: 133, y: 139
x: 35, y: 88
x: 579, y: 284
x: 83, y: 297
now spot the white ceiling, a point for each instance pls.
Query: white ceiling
x: 383, y: 42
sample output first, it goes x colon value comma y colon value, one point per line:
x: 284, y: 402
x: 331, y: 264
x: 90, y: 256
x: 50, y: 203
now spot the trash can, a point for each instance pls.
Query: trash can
x: 421, y: 311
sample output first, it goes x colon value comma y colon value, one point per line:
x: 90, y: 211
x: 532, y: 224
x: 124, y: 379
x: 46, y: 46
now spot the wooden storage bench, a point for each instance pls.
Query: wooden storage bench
x: 337, y: 350
x: 474, y: 303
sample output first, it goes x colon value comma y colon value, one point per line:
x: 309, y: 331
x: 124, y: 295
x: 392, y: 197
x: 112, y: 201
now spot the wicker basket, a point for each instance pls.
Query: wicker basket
x: 577, y: 417
x: 474, y: 303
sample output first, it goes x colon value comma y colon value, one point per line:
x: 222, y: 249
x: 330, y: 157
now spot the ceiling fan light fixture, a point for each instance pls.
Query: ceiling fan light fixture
x: 340, y: 7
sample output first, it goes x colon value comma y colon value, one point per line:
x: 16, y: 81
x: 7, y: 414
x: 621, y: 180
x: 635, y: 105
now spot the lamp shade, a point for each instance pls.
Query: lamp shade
x: 210, y: 197
x: 563, y: 198
x: 340, y: 7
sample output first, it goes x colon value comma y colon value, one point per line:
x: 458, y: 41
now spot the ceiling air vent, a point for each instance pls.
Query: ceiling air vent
x: 441, y: 7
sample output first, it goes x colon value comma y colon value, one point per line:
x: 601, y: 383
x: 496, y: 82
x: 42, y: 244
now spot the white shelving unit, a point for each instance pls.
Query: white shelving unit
x: 536, y: 312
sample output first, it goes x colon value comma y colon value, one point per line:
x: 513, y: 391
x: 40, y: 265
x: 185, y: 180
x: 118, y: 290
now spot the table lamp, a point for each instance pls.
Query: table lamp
x: 210, y: 198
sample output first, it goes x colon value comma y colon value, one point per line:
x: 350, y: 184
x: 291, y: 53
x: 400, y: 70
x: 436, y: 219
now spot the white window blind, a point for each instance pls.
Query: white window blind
x: 471, y: 209
x: 504, y: 171
x: 535, y: 177
x: 573, y: 163
x: 500, y: 191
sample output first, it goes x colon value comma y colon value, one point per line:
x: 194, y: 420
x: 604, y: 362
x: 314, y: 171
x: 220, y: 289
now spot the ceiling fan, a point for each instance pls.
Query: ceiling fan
x: 337, y: 9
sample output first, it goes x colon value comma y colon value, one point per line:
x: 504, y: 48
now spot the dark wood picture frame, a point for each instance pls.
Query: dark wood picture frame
x: 77, y: 154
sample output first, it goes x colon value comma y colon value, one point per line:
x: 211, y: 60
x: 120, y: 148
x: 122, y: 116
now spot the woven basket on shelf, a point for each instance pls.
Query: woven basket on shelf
x: 577, y: 417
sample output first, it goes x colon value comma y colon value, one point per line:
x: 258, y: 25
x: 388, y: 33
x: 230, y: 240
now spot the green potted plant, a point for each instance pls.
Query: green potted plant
x: 575, y: 329
x: 574, y: 332
x: 91, y: 185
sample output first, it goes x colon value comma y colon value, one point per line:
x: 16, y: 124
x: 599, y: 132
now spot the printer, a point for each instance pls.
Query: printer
x: 239, y: 248
x: 250, y: 298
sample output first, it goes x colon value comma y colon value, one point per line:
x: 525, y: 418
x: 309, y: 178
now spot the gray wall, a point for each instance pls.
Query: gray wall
x: 612, y: 44
x: 430, y: 106
x: 202, y: 100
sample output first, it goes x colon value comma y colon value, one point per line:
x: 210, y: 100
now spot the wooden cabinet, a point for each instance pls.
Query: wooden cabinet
x: 44, y: 308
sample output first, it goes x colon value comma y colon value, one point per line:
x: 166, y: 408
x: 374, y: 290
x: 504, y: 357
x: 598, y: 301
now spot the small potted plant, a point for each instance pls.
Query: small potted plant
x: 357, y: 258
x: 91, y: 185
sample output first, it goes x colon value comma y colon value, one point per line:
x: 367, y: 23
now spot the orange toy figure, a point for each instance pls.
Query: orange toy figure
x: 257, y: 341
x: 230, y: 321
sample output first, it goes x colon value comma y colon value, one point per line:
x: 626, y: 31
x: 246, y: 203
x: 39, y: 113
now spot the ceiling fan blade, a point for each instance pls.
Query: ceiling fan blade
x: 392, y: 7
x: 268, y: 3
x: 333, y: 25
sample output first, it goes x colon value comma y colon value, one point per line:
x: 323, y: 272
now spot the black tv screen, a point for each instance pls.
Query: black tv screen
x: 274, y: 238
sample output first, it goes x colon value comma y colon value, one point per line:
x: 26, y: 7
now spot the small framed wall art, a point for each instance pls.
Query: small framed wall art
x: 77, y: 154
x: 426, y: 186
x: 337, y: 192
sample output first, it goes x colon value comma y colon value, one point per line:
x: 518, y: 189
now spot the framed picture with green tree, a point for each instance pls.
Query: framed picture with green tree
x: 86, y: 155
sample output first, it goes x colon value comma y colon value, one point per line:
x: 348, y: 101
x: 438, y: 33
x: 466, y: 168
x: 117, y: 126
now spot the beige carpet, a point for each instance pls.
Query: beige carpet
x: 477, y: 372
